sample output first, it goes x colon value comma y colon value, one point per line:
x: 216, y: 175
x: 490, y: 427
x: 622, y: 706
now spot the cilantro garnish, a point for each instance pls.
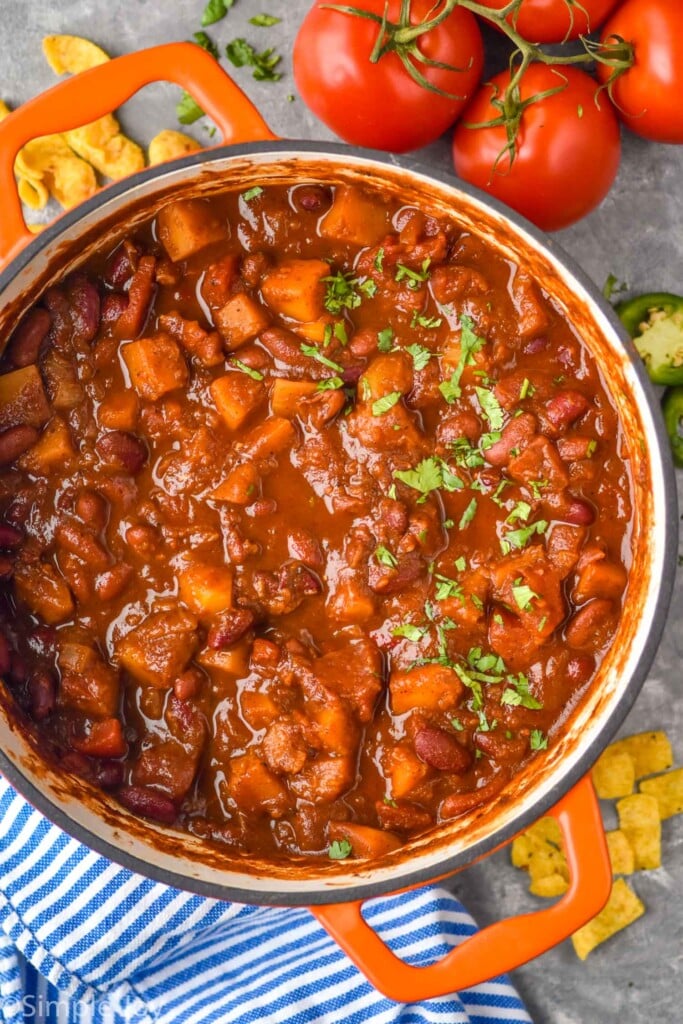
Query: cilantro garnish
x: 468, y: 515
x: 206, y: 43
x: 385, y: 339
x: 527, y: 389
x: 521, y: 511
x: 426, y: 477
x: 447, y: 587
x: 340, y: 849
x: 420, y: 355
x: 330, y: 384
x: 385, y: 403
x: 188, y: 110
x: 457, y: 724
x: 523, y: 596
x: 517, y: 539
x: 242, y: 54
x: 517, y: 694
x: 409, y: 631
x: 414, y: 277
x: 315, y: 353
x: 378, y: 261
x: 490, y: 406
x: 495, y: 497
x: 430, y: 323
x: 340, y: 292
x: 215, y: 10
x: 469, y: 344
x: 460, y: 563
x: 264, y: 20
x: 537, y: 486
x: 251, y: 193
x: 466, y: 455
x: 537, y: 741
x: 254, y: 374
x: 385, y: 557
x: 368, y: 287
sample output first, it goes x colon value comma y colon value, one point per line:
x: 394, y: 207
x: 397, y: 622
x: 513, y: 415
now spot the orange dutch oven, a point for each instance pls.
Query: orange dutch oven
x: 556, y: 783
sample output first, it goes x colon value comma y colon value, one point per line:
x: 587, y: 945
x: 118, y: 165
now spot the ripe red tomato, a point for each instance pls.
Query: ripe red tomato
x: 568, y: 147
x: 649, y: 96
x: 378, y: 104
x: 553, y: 21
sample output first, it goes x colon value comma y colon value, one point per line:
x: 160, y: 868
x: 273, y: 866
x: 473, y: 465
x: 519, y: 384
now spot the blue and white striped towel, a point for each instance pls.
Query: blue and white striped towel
x: 83, y: 941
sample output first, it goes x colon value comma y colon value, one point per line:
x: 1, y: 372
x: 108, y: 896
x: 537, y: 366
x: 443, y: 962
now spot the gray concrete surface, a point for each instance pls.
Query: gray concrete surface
x: 637, y: 234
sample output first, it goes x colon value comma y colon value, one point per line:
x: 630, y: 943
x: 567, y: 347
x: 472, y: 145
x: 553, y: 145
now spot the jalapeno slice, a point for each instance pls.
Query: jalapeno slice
x: 655, y: 322
x: 672, y: 407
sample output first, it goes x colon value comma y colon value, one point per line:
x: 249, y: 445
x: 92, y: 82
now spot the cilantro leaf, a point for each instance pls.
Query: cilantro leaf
x: 468, y: 515
x: 427, y: 476
x: 387, y: 402
x: 385, y: 339
x: 446, y: 587
x: 264, y: 20
x: 329, y: 384
x: 385, y: 557
x: 521, y: 511
x: 340, y: 292
x: 251, y: 193
x: 241, y: 54
x: 517, y: 539
x: 537, y: 741
x: 409, y: 631
x: 313, y: 353
x: 215, y: 10
x: 490, y: 406
x: 188, y: 110
x: 206, y: 43
x: 523, y: 596
x: 469, y: 344
x: 414, y: 277
x: 430, y: 323
x: 378, y: 261
x: 254, y: 374
x: 420, y: 355
x: 517, y: 694
x: 340, y: 849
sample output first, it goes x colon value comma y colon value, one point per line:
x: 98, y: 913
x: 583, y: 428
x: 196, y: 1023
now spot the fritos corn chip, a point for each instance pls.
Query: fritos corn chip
x: 72, y: 54
x: 668, y: 792
x: 168, y: 145
x: 48, y: 163
x: 622, y: 908
x: 613, y: 774
x: 621, y: 854
x: 4, y: 110
x: 651, y: 752
x: 640, y: 823
x: 549, y: 885
x: 106, y: 148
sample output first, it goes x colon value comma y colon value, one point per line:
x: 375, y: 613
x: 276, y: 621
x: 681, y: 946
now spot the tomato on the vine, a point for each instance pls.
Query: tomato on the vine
x: 567, y: 146
x: 649, y: 95
x: 554, y: 21
x: 379, y: 104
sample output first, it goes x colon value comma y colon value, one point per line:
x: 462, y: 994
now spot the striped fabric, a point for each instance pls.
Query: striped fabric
x: 83, y: 941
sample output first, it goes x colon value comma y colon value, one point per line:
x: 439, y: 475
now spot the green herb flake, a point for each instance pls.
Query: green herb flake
x: 448, y: 524
x: 490, y: 406
x: 470, y: 343
x: 449, y: 481
x: 460, y: 563
x: 446, y: 588
x: 457, y: 724
x: 426, y: 477
x: 264, y: 20
x: 385, y: 339
x: 368, y: 287
x: 391, y: 493
x: 523, y: 596
x: 385, y: 403
x: 517, y: 694
x: 420, y: 355
x: 313, y: 353
x: 527, y: 389
x: 340, y: 332
x: 537, y: 486
x: 430, y: 323
x: 378, y: 261
x: 410, y: 632
x: 591, y: 448
x: 241, y: 54
x: 517, y: 539
x: 521, y: 512
x: 385, y: 557
x: 465, y: 454
x: 414, y: 277
x: 468, y: 515
x: 254, y: 374
x: 389, y: 802
x: 537, y: 741
x: 496, y: 496
x: 340, y: 292
x: 330, y: 384
x: 215, y: 10
x: 251, y: 193
x: 579, y: 110
x: 188, y: 110
x: 206, y: 43
x: 340, y: 849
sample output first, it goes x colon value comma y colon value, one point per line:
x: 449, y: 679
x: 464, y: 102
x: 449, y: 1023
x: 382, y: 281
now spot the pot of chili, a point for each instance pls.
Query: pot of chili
x: 338, y: 523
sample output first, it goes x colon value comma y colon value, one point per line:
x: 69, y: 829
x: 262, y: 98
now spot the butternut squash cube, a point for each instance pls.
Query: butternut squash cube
x: 156, y: 366
x: 186, y: 226
x: 258, y: 709
x: 355, y: 218
x: 425, y: 686
x: 53, y: 448
x: 405, y: 770
x: 296, y: 289
x: 22, y: 399
x: 157, y: 651
x: 255, y: 789
x: 386, y: 373
x: 270, y: 438
x: 206, y: 589
x: 118, y: 411
x: 39, y: 586
x: 240, y: 485
x: 365, y: 841
x: 314, y: 331
x: 233, y: 661
x: 236, y: 396
x: 240, y: 320
x: 286, y: 396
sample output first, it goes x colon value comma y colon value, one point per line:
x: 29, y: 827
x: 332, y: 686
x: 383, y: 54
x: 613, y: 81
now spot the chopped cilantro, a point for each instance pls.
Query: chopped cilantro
x: 590, y: 448
x: 521, y: 511
x: 517, y: 694
x: 241, y: 54
x: 385, y: 403
x: 460, y: 563
x: 457, y: 724
x: 523, y: 596
x: 251, y: 193
x: 465, y: 454
x: 340, y: 332
x: 264, y: 20
x: 378, y: 261
x: 430, y: 323
x: 340, y: 292
x: 391, y: 493
x: 495, y: 497
x: 330, y: 384
x: 340, y: 849
x: 527, y: 389
x: 488, y: 440
x: 254, y: 374
x: 206, y: 43
x: 385, y: 339
x: 537, y: 741
x: 215, y: 10
x: 420, y: 355
x: 472, y: 684
x: 409, y: 631
x: 469, y: 344
x: 520, y: 538
x: 414, y: 277
x: 427, y: 476
x: 188, y: 110
x: 389, y: 802
x: 476, y: 601
x: 368, y: 287
x: 537, y: 486
x: 468, y: 515
x: 490, y: 406
x: 446, y: 588
x: 385, y: 557
x: 313, y: 353
x: 448, y: 524
x: 449, y: 480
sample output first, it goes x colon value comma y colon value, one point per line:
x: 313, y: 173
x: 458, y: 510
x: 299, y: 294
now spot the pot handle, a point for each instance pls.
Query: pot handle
x: 501, y: 946
x: 91, y: 94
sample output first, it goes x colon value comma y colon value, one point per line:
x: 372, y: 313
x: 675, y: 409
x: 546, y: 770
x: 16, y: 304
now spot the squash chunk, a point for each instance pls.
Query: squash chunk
x: 286, y: 396
x: 386, y: 374
x: 255, y: 789
x: 118, y: 411
x: 233, y: 661
x: 186, y: 226
x: 425, y: 686
x: 236, y: 396
x: 40, y: 587
x: 156, y: 651
x: 155, y: 365
x: 270, y: 438
x: 355, y: 218
x: 22, y: 399
x: 296, y: 289
x: 206, y: 589
x: 53, y: 448
x: 240, y: 320
x: 239, y: 487
x: 87, y: 683
x: 365, y: 841
x: 406, y: 770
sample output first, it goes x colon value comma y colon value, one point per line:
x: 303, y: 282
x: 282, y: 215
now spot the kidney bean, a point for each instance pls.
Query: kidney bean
x: 351, y: 374
x: 254, y: 357
x: 77, y: 575
x: 111, y: 583
x: 589, y: 622
x: 121, y: 264
x: 84, y: 300
x: 441, y: 751
x: 41, y: 695
x: 15, y: 441
x: 229, y: 627
x: 536, y: 345
x: 515, y: 436
x: 6, y: 567
x: 363, y: 343
x: 143, y: 539
x: 404, y: 817
x: 122, y: 450
x: 10, y: 537
x: 148, y: 803
x: 113, y: 306
x: 188, y: 684
x: 24, y: 345
x: 79, y: 542
x: 5, y: 655
x: 61, y: 328
x: 108, y: 774
x: 565, y: 407
x: 310, y: 198
x: 303, y: 546
x: 92, y: 508
x: 262, y: 507
x: 578, y: 512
